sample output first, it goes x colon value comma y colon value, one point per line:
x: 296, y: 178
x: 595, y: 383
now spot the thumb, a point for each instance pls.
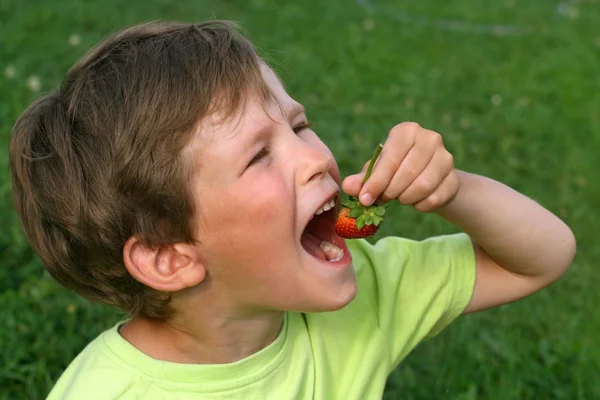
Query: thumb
x: 353, y: 183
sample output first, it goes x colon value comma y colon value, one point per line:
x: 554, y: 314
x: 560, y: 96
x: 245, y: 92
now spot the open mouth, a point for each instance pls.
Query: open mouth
x: 319, y: 238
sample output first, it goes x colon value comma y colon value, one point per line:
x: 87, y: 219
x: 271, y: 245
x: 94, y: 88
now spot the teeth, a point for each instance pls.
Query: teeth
x: 332, y: 252
x: 326, y: 207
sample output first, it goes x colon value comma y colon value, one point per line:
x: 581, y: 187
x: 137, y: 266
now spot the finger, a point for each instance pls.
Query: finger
x: 411, y: 167
x: 395, y: 149
x: 444, y: 194
x: 427, y: 182
x: 353, y: 183
x: 417, y: 160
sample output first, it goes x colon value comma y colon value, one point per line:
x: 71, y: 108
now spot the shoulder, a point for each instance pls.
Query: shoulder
x: 394, y: 252
x: 95, y: 374
x: 396, y: 271
x: 415, y: 287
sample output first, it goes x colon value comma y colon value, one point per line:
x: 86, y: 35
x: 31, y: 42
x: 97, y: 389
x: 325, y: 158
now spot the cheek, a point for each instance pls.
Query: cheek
x: 250, y: 219
x: 265, y: 199
x: 252, y: 234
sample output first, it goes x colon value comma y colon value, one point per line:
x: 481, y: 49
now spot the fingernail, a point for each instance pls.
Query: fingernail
x: 366, y: 199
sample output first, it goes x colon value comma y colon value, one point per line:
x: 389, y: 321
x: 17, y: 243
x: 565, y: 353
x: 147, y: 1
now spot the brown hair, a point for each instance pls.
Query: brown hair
x: 101, y: 159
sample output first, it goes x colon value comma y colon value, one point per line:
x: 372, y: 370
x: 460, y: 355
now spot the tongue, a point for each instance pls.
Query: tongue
x: 321, y: 249
x: 312, y: 244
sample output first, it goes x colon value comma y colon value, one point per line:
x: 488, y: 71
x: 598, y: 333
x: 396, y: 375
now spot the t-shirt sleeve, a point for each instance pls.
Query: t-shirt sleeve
x: 416, y: 288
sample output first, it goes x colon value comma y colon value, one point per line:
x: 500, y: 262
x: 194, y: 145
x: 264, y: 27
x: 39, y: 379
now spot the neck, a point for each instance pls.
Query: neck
x: 203, y: 339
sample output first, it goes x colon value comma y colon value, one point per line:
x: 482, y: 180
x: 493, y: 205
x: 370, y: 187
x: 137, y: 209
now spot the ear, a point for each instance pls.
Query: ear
x: 169, y: 267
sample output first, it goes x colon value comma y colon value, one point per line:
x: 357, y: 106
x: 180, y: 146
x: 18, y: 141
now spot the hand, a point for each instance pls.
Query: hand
x: 414, y: 168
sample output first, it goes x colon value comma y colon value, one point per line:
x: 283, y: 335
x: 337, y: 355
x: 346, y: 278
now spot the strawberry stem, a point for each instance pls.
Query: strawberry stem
x: 372, y: 163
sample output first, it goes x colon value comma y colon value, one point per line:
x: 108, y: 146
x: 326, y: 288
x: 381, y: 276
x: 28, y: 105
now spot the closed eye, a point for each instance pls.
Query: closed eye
x: 301, y: 126
x: 265, y: 151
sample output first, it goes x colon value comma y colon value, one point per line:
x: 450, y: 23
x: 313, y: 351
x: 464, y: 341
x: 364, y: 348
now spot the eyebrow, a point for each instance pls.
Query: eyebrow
x: 296, y: 110
x: 255, y: 136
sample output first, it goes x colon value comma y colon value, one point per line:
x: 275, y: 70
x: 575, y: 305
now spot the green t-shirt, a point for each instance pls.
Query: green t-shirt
x: 408, y: 291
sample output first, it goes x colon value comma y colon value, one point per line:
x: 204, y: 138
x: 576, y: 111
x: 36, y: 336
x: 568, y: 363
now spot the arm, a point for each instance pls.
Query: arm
x: 520, y: 246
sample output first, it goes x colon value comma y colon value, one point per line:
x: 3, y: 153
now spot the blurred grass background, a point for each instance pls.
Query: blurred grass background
x: 513, y: 86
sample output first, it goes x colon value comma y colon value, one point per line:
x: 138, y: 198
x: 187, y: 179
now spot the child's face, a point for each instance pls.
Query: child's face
x: 253, y: 214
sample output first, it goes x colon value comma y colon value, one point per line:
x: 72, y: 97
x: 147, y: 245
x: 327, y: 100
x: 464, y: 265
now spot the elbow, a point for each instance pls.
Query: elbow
x: 571, y: 248
x: 568, y: 250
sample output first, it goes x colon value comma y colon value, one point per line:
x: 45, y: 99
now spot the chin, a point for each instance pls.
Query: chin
x: 346, y: 298
x: 343, y: 296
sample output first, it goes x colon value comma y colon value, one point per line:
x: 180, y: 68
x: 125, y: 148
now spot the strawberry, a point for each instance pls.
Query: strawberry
x: 350, y: 227
x: 356, y: 221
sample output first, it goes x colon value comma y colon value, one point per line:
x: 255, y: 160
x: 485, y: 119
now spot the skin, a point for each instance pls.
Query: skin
x: 230, y: 295
x: 231, y: 289
x: 520, y: 246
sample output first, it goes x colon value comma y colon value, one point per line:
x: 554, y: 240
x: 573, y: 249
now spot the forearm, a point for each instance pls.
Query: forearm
x: 516, y: 232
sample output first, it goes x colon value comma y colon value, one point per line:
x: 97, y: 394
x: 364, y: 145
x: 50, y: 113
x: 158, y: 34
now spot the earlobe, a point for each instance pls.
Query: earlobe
x: 169, y: 267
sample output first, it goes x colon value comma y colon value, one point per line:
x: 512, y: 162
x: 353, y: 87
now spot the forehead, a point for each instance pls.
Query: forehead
x: 275, y: 85
x: 254, y: 114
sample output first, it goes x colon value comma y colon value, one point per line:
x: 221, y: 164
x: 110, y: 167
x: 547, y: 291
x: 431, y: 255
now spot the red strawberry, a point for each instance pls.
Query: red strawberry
x: 355, y: 220
x: 348, y: 227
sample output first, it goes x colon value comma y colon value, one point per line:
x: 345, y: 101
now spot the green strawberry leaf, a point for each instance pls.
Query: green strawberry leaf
x: 350, y: 203
x: 355, y: 212
x: 368, y: 220
x: 360, y: 221
x: 380, y: 211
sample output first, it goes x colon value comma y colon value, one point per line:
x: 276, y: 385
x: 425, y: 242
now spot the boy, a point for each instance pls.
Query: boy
x: 173, y: 177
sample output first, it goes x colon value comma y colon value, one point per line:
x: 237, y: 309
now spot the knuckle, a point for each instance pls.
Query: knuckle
x: 449, y: 161
x: 432, y: 201
x: 396, y: 135
x: 449, y: 158
x: 444, y: 161
x: 436, y: 138
x: 404, y: 128
x: 410, y: 126
x: 424, y: 185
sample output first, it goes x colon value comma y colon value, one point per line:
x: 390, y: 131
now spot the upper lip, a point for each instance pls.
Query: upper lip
x: 331, y: 194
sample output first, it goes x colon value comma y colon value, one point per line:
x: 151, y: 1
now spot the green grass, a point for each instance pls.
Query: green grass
x: 520, y: 107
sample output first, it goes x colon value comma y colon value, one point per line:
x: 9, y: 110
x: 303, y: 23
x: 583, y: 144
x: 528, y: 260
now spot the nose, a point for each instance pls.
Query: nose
x: 314, y: 162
